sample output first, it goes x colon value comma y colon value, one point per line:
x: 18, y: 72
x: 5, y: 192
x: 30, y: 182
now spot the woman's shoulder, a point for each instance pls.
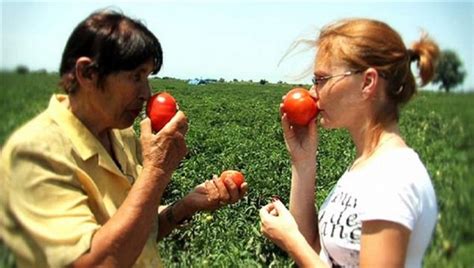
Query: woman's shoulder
x: 402, y: 159
x: 37, y: 146
x: 396, y: 168
x: 399, y: 181
x: 38, y: 133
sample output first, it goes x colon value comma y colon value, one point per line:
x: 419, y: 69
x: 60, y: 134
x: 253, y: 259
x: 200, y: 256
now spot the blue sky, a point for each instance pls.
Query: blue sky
x: 229, y: 39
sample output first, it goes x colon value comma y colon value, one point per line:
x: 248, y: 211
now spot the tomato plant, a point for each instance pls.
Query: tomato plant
x: 238, y: 141
x: 299, y: 106
x: 236, y: 176
x: 161, y: 107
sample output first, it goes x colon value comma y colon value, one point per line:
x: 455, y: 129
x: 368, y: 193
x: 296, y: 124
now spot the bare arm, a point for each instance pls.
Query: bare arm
x: 383, y: 244
x: 302, y: 205
x: 207, y: 196
x: 301, y: 143
x: 121, y: 240
x: 303, y: 253
x: 169, y: 217
x: 112, y: 244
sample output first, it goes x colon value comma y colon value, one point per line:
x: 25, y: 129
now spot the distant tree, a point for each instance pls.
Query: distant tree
x: 235, y: 80
x: 42, y: 71
x: 22, y: 69
x: 221, y: 80
x: 449, y: 72
x: 263, y: 81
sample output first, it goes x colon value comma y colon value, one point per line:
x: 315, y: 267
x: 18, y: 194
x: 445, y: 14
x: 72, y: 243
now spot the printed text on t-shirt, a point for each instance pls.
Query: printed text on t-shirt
x: 342, y: 223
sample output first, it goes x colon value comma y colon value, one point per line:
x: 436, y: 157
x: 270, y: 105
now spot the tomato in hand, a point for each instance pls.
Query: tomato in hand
x: 300, y: 107
x: 235, y: 175
x: 160, y: 108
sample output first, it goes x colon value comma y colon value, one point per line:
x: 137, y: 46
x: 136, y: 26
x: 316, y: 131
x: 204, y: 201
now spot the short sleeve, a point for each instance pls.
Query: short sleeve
x: 50, y: 205
x: 393, y: 198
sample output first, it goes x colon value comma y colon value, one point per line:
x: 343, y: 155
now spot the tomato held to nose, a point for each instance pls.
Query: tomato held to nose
x: 160, y: 108
x: 299, y: 106
x: 235, y: 175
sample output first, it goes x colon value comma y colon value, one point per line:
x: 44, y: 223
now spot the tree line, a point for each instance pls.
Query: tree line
x: 449, y: 72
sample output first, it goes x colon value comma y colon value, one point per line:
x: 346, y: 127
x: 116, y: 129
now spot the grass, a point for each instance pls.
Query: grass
x: 236, y: 125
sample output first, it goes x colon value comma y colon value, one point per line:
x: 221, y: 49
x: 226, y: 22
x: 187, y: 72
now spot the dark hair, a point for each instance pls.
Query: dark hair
x: 114, y: 42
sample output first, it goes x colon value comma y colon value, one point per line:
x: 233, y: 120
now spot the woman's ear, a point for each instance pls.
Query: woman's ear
x: 85, y: 72
x: 369, y: 88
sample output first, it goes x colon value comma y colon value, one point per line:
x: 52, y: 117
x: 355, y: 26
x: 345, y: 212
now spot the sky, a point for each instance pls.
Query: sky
x: 243, y: 40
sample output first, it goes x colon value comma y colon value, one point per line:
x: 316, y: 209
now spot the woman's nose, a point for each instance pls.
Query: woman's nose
x: 313, y: 92
x: 145, y: 91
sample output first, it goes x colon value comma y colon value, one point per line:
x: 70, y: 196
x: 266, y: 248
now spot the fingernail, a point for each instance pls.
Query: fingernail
x: 275, y: 198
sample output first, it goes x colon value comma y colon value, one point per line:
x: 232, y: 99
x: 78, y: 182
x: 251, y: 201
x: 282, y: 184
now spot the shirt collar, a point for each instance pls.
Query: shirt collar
x: 84, y: 142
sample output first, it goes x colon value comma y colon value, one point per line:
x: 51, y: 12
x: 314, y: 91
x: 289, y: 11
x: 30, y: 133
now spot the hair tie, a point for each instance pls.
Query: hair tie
x: 412, y: 55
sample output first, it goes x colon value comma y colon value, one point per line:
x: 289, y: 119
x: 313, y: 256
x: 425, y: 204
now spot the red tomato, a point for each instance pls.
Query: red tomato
x: 236, y: 176
x: 299, y: 106
x: 160, y: 108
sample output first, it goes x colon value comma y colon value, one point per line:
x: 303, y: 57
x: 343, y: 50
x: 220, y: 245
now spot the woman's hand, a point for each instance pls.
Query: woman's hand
x: 213, y: 194
x: 163, y: 151
x: 301, y: 141
x: 278, y: 225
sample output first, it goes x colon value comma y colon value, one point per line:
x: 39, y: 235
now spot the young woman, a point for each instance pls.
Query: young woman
x: 382, y: 211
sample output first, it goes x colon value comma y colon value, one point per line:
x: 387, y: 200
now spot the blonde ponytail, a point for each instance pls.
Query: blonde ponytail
x: 427, y: 53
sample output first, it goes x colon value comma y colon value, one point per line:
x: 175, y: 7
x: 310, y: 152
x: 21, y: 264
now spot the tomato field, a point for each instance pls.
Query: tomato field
x: 237, y: 126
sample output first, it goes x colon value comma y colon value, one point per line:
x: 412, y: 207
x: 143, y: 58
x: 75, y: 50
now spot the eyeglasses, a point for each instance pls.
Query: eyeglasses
x: 318, y: 81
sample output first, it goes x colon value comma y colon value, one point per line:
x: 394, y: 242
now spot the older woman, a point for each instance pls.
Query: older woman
x: 382, y: 211
x: 77, y: 187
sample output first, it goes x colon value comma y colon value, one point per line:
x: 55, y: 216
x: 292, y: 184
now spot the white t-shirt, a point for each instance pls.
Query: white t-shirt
x: 395, y: 187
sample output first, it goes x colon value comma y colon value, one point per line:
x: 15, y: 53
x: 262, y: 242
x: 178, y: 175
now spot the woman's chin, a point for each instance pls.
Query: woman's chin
x: 126, y: 122
x: 327, y: 124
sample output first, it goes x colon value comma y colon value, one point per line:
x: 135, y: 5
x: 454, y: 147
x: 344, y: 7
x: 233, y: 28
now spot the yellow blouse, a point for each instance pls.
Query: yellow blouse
x: 58, y: 185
